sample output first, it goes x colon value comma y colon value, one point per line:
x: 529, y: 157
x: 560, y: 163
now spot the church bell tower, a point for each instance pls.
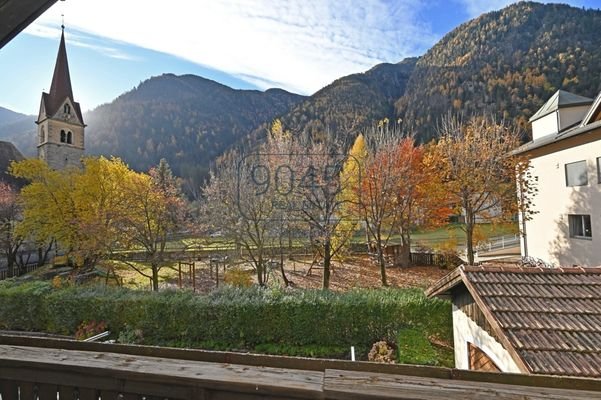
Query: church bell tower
x: 60, y: 122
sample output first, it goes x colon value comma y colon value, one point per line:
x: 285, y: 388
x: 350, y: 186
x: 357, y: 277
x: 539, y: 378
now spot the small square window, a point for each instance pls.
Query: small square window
x: 580, y: 226
x: 576, y: 174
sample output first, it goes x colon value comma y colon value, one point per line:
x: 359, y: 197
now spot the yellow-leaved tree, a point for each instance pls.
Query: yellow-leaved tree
x: 350, y: 194
x: 80, y: 209
x: 95, y: 212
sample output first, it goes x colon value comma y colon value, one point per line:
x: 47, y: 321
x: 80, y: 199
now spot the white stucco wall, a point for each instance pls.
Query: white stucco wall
x: 547, y: 234
x: 466, y: 331
x: 544, y: 126
x: 569, y: 116
x: 557, y: 120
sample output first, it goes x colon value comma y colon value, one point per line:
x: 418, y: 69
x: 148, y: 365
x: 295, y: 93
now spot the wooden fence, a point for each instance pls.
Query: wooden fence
x: 436, y: 259
x: 17, y: 271
x: 60, y: 369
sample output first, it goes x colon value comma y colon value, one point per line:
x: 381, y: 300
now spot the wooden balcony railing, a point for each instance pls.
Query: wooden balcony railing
x: 47, y: 369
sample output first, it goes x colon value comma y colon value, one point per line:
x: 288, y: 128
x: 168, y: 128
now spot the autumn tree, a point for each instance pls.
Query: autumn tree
x: 380, y: 187
x: 102, y: 197
x: 238, y: 201
x: 10, y: 216
x: 156, y: 210
x: 46, y: 202
x: 80, y: 209
x: 352, y: 173
x: 279, y: 152
x: 476, y: 170
x: 95, y: 212
x: 421, y: 201
x: 396, y: 194
x: 319, y: 188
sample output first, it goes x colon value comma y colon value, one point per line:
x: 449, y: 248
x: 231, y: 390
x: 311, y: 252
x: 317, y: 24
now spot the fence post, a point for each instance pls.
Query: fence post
x: 193, y: 277
x: 179, y: 265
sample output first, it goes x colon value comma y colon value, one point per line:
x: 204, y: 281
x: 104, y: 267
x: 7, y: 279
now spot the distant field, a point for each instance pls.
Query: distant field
x: 454, y: 232
x: 446, y: 235
x: 451, y: 232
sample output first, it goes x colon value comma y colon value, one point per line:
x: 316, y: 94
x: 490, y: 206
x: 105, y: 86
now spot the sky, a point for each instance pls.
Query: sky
x: 296, y: 45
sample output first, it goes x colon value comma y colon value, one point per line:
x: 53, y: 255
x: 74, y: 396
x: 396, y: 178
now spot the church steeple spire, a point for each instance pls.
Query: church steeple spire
x: 60, y: 122
x: 60, y: 89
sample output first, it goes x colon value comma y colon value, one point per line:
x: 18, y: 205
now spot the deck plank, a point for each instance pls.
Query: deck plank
x: 349, y: 385
x: 220, y: 376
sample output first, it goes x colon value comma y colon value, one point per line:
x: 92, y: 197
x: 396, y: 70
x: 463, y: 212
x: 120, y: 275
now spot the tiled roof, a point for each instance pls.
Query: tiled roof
x: 551, y: 317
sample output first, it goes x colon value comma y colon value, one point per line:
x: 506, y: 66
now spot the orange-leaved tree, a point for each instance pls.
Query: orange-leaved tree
x: 477, y: 171
x: 398, y: 193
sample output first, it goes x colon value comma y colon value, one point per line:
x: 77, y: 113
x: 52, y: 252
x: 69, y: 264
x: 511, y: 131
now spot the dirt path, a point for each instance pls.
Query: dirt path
x: 354, y: 272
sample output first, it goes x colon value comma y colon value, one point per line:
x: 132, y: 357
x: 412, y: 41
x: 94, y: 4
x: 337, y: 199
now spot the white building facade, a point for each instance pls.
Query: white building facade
x: 565, y: 156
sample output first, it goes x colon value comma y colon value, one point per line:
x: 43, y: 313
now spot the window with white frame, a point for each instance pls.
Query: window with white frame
x: 576, y: 174
x: 580, y: 226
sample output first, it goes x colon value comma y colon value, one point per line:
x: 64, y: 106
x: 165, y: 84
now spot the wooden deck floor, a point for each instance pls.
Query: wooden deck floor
x: 43, y: 372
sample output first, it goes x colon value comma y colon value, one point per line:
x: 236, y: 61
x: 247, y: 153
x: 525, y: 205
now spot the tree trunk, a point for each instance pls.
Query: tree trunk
x: 367, y: 237
x: 260, y: 267
x: 155, y: 277
x: 10, y: 264
x: 11, y: 258
x: 286, y: 281
x: 43, y: 253
x: 289, y: 243
x: 469, y: 233
x: 382, y: 263
x: 405, y: 253
x: 327, y: 258
x: 381, y: 260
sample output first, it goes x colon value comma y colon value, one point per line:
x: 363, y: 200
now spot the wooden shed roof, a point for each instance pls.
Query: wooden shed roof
x: 548, y: 318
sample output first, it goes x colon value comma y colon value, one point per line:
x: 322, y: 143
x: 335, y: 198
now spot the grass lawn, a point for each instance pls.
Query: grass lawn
x: 452, y: 233
x: 134, y: 280
x: 455, y: 232
x: 425, y: 238
x: 413, y: 347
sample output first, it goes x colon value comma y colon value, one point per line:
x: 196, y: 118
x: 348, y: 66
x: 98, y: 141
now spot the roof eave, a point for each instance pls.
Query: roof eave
x: 537, y: 116
x: 580, y: 104
x: 443, y: 286
x: 581, y: 130
x: 495, y: 326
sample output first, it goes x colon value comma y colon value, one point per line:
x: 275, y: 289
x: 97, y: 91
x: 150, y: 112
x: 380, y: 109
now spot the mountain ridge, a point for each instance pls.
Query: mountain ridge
x: 187, y: 119
x: 507, y: 63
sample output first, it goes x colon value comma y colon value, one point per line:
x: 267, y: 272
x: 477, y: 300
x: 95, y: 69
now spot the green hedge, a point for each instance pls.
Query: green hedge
x: 241, y: 318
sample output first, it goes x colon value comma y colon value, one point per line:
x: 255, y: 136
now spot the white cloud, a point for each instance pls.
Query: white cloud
x: 47, y: 30
x: 300, y: 45
x: 477, y: 7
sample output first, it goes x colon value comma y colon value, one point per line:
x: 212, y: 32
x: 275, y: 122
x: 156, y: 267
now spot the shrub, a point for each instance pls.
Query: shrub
x: 230, y: 317
x: 87, y: 329
x: 238, y: 277
x: 313, y: 351
x: 381, y: 352
x: 128, y: 335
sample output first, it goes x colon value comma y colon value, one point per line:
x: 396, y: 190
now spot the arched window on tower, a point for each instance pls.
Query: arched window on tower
x: 42, y: 134
x: 67, y: 109
x: 69, y: 137
x: 63, y: 136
